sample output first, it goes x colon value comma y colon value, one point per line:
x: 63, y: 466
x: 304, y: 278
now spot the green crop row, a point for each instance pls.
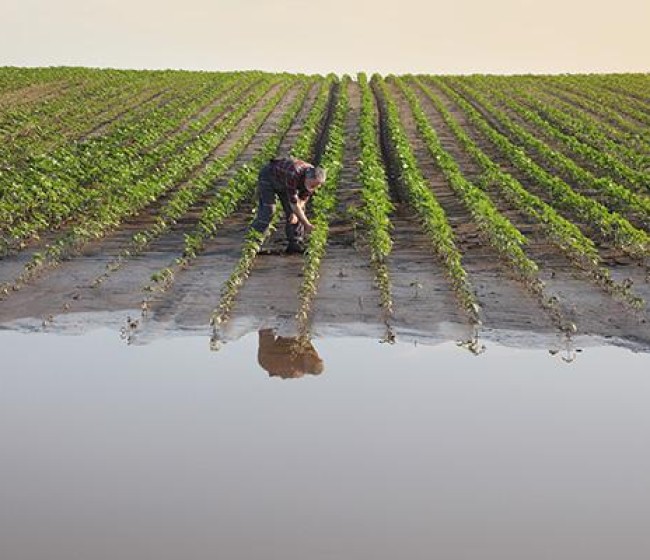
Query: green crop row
x: 136, y: 197
x: 322, y: 207
x: 616, y: 197
x: 502, y: 235
x: 375, y: 195
x: 559, y: 231
x: 580, y: 125
x: 618, y: 96
x: 633, y: 133
x: 28, y: 132
x: 429, y: 211
x: 13, y: 78
x: 605, y: 163
x: 84, y: 178
x: 611, y: 225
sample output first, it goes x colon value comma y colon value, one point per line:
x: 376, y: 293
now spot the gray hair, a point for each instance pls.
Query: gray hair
x: 318, y: 173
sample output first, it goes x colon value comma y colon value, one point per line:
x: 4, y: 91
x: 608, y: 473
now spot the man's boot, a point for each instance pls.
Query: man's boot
x: 295, y: 248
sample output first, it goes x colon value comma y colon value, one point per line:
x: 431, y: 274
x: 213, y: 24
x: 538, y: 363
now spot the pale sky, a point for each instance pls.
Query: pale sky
x: 454, y: 36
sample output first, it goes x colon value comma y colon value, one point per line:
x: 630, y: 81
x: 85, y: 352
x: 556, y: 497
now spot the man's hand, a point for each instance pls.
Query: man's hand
x: 309, y: 227
x: 293, y: 219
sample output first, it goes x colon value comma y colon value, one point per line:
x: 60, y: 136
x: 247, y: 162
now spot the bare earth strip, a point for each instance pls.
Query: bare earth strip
x: 347, y: 300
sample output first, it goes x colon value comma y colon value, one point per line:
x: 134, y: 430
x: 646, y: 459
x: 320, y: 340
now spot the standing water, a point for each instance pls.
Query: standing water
x: 378, y: 451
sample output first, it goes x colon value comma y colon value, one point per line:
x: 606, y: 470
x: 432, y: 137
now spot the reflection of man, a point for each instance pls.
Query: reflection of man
x: 287, y: 357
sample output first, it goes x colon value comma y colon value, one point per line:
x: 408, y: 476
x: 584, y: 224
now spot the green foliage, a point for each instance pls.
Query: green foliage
x: 375, y: 195
x: 611, y: 225
x: 560, y: 232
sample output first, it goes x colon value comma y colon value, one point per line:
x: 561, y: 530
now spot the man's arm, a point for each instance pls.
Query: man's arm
x: 298, y: 209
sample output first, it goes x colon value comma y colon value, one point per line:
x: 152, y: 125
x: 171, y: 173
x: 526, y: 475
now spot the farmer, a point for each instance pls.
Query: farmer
x: 294, y: 182
x: 286, y: 356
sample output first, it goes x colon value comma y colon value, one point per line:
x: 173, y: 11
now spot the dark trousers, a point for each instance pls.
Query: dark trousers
x: 267, y: 190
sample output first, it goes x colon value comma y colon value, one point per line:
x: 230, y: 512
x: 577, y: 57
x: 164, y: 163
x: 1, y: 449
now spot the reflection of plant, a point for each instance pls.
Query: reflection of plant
x: 473, y: 344
x: 568, y: 353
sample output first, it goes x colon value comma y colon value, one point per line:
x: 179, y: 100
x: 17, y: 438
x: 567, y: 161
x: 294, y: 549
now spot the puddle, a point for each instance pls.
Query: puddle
x: 370, y: 451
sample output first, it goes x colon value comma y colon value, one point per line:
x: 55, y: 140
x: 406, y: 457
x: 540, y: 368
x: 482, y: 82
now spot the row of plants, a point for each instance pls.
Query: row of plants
x: 634, y: 134
x: 322, y: 208
x: 51, y: 179
x: 14, y: 78
x: 189, y: 193
x: 597, y: 91
x: 240, y: 186
x: 562, y: 233
x: 376, y: 205
x: 581, y: 125
x: 82, y: 179
x: 28, y: 131
x: 606, y: 165
x: 80, y: 157
x: 623, y: 99
x: 133, y: 199
x: 254, y: 240
x: 610, y: 225
x: 613, y: 195
x: 500, y: 233
x: 431, y: 215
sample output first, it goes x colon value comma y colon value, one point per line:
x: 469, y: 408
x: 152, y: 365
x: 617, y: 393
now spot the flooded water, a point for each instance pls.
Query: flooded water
x: 170, y: 451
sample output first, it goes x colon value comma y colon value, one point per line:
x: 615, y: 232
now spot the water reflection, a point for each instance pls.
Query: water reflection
x: 287, y: 356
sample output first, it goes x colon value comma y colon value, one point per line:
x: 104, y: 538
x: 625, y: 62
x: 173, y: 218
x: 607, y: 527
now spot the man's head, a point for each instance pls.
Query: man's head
x: 314, y: 177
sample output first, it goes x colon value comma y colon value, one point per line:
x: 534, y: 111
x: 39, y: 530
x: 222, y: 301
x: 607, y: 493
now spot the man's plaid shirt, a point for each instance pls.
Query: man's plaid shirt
x: 290, y: 173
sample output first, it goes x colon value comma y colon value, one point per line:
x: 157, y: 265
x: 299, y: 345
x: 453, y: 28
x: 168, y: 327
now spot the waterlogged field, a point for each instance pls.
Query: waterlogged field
x: 505, y: 217
x: 512, y: 209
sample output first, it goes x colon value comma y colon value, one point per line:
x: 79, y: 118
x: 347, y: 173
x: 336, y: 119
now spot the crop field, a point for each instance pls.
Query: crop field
x: 513, y: 208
